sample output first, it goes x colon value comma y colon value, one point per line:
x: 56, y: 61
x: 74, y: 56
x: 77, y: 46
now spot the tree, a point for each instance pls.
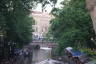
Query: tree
x: 16, y: 22
x: 90, y: 5
x: 72, y: 26
x: 45, y: 2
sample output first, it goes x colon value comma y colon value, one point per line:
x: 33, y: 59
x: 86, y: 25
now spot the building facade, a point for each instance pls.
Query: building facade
x: 42, y: 23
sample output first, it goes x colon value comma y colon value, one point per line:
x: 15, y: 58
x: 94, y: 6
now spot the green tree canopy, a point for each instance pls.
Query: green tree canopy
x: 16, y: 20
x: 72, y: 25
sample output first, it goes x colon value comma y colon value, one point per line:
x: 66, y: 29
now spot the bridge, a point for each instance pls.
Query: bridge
x: 44, y: 44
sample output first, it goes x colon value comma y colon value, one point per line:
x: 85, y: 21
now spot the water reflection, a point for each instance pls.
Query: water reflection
x: 41, y: 54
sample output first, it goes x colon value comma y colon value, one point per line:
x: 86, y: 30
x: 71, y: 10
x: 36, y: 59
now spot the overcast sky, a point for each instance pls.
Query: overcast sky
x: 48, y: 7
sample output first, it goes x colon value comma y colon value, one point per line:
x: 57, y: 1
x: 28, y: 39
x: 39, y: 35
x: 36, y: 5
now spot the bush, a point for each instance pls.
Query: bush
x: 89, y: 51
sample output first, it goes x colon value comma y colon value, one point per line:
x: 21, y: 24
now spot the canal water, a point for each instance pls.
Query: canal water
x: 41, y: 54
x: 38, y: 56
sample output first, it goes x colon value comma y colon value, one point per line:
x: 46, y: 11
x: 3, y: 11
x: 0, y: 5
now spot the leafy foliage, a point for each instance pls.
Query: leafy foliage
x: 16, y: 23
x: 72, y: 25
x: 45, y: 2
x: 16, y: 20
x: 89, y: 51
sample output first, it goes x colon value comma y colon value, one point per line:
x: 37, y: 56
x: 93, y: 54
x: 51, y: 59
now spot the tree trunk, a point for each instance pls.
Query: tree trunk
x: 91, y: 6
